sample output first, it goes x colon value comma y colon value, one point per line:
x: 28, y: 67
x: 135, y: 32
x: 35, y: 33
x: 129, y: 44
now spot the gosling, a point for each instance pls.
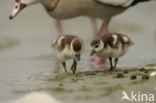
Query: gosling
x: 112, y: 45
x: 68, y: 47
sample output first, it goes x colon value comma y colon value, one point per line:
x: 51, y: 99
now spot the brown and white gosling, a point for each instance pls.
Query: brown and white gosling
x: 68, y: 47
x: 112, y: 45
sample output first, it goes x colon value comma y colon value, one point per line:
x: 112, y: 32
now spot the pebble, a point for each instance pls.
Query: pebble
x: 133, y: 77
x: 119, y: 75
x: 145, y: 71
x: 61, y: 84
x: 126, y: 72
x: 142, y: 69
x: 145, y: 77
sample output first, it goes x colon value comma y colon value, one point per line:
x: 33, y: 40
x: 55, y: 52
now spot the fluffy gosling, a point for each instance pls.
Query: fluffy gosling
x: 112, y: 45
x: 68, y: 47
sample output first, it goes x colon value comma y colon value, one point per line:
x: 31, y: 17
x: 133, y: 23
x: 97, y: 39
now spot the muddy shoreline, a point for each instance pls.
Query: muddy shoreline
x: 96, y: 85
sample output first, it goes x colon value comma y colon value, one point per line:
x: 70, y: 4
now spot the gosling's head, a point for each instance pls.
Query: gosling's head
x: 97, y: 45
x: 76, y: 48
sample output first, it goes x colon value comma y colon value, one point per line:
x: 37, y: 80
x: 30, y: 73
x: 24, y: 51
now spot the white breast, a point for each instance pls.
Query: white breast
x: 64, y: 55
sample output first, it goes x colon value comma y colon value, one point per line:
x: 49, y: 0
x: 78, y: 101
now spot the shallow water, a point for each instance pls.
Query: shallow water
x: 26, y: 58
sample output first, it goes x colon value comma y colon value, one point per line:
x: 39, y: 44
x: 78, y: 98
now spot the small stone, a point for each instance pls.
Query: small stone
x: 145, y: 71
x: 125, y: 71
x: 119, y: 75
x: 133, y: 77
x: 142, y: 69
x: 145, y: 77
x: 61, y: 84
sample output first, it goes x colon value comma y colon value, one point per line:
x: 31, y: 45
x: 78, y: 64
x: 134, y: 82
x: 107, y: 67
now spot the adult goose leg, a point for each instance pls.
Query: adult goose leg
x: 97, y: 60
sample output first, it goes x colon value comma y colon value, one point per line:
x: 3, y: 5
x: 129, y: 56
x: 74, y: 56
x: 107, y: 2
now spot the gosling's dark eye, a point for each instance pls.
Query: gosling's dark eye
x: 96, y: 46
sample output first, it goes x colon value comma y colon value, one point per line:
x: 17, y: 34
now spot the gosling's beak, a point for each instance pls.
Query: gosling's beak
x: 92, y: 52
x: 77, y: 57
x: 18, y: 6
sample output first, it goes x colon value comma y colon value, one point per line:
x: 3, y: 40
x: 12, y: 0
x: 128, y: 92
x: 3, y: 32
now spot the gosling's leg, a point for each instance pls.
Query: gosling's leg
x: 95, y: 26
x: 111, y: 65
x: 115, y: 63
x: 65, y: 69
x: 73, y: 68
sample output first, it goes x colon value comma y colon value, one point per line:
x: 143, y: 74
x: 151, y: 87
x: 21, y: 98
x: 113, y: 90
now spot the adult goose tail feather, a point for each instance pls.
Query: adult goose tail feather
x: 122, y: 3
